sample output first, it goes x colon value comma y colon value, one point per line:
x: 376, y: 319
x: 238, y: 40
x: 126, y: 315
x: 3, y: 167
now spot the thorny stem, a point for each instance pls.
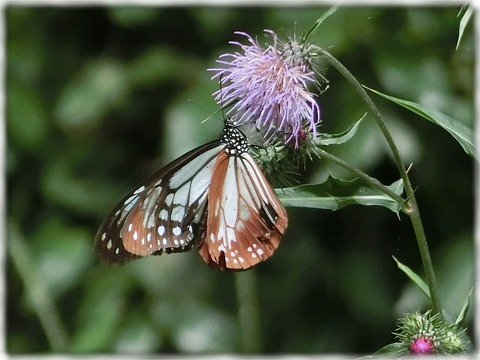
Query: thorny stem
x: 410, y: 206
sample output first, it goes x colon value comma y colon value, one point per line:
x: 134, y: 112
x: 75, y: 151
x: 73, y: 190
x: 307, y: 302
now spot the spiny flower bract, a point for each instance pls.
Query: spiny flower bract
x: 427, y: 333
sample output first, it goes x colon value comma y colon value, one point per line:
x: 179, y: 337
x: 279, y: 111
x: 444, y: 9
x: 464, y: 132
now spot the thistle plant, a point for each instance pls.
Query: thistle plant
x: 428, y: 334
x: 273, y: 88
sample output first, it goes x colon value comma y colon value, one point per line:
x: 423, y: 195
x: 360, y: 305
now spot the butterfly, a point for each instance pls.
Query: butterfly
x: 214, y: 198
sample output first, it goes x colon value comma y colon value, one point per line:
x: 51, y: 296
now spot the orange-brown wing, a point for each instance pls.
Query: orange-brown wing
x: 245, y: 219
x: 166, y: 213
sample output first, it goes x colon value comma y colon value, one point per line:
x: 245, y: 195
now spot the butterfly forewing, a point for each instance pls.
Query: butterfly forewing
x: 165, y: 213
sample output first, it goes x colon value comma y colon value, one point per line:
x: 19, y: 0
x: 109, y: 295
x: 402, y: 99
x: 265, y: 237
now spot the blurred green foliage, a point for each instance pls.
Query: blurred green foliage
x: 97, y: 98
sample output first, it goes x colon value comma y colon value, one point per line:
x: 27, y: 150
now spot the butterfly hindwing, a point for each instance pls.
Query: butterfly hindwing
x: 245, y: 218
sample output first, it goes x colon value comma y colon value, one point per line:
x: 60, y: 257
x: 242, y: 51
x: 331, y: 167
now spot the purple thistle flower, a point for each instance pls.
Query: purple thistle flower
x: 269, y: 87
x: 422, y: 345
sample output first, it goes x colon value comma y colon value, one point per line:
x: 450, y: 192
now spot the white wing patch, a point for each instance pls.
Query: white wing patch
x: 186, y: 173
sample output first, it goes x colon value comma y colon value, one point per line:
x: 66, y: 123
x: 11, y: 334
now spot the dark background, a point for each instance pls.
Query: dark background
x: 97, y: 98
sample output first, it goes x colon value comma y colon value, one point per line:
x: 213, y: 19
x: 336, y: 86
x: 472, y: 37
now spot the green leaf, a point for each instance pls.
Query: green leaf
x: 340, y: 138
x: 463, y: 23
x: 461, y: 317
x: 462, y: 133
x: 334, y: 194
x: 414, y: 277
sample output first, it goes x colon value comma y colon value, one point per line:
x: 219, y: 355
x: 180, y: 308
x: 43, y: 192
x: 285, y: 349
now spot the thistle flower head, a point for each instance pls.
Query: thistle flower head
x: 427, y: 333
x: 269, y: 87
x: 277, y: 163
x: 422, y: 345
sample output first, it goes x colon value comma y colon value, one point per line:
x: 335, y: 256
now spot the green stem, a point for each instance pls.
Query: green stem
x: 248, y: 311
x: 411, y: 206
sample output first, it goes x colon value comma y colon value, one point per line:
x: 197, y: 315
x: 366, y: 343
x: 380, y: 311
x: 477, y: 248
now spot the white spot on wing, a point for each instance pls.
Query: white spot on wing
x: 161, y: 230
x: 176, y: 231
x: 181, y: 196
x: 168, y: 199
x: 163, y: 215
x: 178, y: 213
x: 139, y: 190
x: 131, y: 199
x: 151, y: 218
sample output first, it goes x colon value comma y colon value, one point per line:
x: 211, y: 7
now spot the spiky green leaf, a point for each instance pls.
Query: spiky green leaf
x: 414, y: 277
x: 463, y: 313
x: 463, y: 23
x: 340, y: 138
x: 334, y: 194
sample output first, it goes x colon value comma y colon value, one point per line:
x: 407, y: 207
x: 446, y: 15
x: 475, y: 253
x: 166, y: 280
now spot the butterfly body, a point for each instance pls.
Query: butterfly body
x: 214, y: 197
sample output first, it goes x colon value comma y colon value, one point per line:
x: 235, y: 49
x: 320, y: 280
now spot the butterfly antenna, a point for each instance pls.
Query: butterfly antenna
x: 210, y: 116
x: 222, y: 106
x: 205, y: 110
